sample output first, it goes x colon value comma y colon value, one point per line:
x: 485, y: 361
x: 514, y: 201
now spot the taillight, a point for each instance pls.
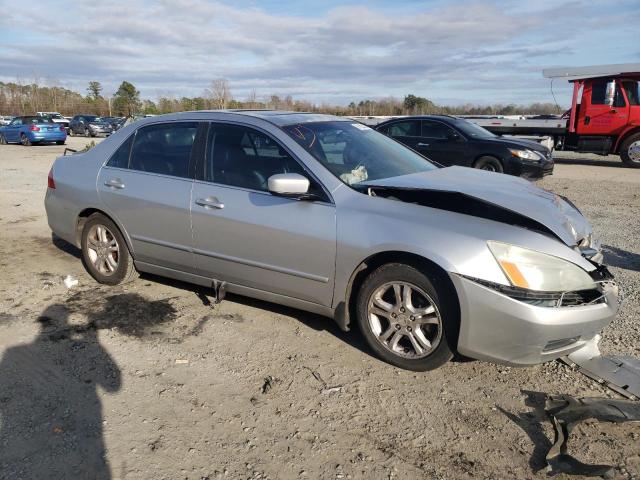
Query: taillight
x: 50, y: 182
x: 62, y: 129
x: 34, y: 128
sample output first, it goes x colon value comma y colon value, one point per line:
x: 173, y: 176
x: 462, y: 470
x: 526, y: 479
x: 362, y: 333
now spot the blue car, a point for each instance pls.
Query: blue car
x: 31, y: 130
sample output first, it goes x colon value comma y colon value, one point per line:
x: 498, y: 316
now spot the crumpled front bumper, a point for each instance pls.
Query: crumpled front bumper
x: 498, y: 328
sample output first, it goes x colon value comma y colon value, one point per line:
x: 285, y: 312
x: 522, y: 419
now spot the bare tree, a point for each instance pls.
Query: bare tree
x: 219, y: 93
x: 252, y: 99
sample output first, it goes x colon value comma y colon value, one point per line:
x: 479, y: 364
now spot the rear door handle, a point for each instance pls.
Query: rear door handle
x: 423, y: 144
x: 114, y: 183
x: 210, y: 202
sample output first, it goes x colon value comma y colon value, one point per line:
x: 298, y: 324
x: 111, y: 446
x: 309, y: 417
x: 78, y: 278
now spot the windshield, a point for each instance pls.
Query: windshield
x: 92, y: 118
x: 355, y: 153
x: 473, y: 130
x: 57, y: 116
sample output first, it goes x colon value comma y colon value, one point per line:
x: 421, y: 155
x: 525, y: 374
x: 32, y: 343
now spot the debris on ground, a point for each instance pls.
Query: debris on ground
x: 70, y: 281
x: 620, y: 373
x: 182, y: 361
x: 330, y: 390
x: 269, y: 383
x: 565, y: 411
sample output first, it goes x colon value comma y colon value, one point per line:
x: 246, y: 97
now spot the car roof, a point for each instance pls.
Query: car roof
x: 279, y: 118
x: 445, y: 118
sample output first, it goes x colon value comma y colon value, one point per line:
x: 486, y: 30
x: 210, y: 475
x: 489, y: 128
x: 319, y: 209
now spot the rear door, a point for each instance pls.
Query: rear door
x: 404, y: 131
x: 146, y: 185
x: 595, y: 116
x: 245, y: 235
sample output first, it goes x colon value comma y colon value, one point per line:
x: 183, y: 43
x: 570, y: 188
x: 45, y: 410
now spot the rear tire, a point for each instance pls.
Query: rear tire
x: 490, y: 164
x: 415, y: 332
x: 630, y: 151
x: 60, y: 142
x: 105, y: 254
x: 87, y: 132
x: 24, y: 140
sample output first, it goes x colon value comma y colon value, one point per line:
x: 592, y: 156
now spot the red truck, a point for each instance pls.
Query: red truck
x: 604, y: 117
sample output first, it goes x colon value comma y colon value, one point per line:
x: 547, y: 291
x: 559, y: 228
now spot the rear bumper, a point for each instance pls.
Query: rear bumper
x: 497, y: 328
x: 56, y: 136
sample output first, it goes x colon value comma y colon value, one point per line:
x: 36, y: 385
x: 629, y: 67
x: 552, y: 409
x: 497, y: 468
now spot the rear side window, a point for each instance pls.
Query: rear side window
x: 632, y: 89
x: 164, y: 148
x: 243, y: 157
x: 404, y: 129
x: 120, y: 159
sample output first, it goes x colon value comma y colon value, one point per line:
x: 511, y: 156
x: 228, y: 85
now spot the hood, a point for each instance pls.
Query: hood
x: 514, y: 142
x: 490, y: 195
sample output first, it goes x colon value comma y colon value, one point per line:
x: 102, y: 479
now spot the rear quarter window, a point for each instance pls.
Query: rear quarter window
x: 120, y: 158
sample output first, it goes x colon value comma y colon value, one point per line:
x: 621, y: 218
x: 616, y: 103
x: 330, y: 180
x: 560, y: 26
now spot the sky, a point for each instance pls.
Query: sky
x: 452, y: 52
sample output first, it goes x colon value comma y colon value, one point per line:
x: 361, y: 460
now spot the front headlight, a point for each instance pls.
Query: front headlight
x: 526, y: 154
x: 538, y: 271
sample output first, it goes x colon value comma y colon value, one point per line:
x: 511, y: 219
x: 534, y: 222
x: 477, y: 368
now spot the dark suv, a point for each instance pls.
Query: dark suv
x: 455, y: 141
x: 89, y: 126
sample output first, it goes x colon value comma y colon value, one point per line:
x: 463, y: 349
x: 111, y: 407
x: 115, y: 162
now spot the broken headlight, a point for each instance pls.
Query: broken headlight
x: 533, y: 270
x: 526, y: 154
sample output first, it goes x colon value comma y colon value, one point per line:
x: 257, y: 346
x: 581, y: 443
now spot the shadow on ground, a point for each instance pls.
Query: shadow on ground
x: 586, y: 161
x: 50, y: 388
x: 616, y: 257
x: 531, y: 423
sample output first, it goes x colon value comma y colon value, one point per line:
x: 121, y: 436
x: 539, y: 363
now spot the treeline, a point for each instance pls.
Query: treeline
x: 17, y: 98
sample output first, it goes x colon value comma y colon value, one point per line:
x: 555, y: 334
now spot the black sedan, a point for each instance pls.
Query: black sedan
x: 455, y: 141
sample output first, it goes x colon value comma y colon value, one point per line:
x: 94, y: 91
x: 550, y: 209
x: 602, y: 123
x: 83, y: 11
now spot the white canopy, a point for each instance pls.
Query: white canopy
x: 594, y: 71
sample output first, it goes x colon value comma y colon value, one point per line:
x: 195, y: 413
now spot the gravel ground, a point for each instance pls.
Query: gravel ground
x: 151, y: 381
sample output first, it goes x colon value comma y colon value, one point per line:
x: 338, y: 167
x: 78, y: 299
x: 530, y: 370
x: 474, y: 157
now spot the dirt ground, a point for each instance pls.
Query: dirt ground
x: 151, y: 381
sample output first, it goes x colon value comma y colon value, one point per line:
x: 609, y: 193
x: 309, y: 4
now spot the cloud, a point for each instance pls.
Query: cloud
x: 465, y: 51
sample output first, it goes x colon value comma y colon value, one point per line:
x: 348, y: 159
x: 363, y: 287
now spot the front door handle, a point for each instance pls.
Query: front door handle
x: 210, y: 202
x: 114, y: 183
x: 423, y: 144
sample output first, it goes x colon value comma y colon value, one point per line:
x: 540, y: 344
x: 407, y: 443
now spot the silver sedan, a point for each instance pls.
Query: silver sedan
x: 324, y: 214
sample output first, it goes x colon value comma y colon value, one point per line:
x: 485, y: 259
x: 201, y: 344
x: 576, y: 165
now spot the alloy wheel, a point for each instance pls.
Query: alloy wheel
x: 103, y: 249
x: 404, y: 320
x: 634, y: 151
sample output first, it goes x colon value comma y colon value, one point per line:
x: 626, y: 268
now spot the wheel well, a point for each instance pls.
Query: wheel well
x: 82, y: 219
x: 625, y: 137
x: 421, y: 263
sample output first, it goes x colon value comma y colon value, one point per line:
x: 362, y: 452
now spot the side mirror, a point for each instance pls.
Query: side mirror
x: 288, y: 184
x: 610, y: 93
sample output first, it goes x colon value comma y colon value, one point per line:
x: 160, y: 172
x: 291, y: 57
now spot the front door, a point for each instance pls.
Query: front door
x: 146, y: 185
x: 12, y: 131
x: 595, y: 116
x: 245, y: 235
x: 441, y: 143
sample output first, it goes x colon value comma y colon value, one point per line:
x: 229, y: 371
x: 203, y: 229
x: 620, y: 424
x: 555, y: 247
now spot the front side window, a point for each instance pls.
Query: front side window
x: 599, y: 94
x: 355, y: 153
x: 243, y: 157
x: 437, y: 130
x: 405, y: 129
x: 120, y: 159
x: 164, y: 148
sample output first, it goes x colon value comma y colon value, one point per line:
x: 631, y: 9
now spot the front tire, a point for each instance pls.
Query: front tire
x: 630, y: 151
x: 407, y: 317
x: 3, y: 141
x: 105, y: 254
x: 490, y: 164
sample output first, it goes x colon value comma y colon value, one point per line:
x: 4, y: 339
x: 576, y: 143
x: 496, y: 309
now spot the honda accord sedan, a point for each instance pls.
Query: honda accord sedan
x: 327, y: 215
